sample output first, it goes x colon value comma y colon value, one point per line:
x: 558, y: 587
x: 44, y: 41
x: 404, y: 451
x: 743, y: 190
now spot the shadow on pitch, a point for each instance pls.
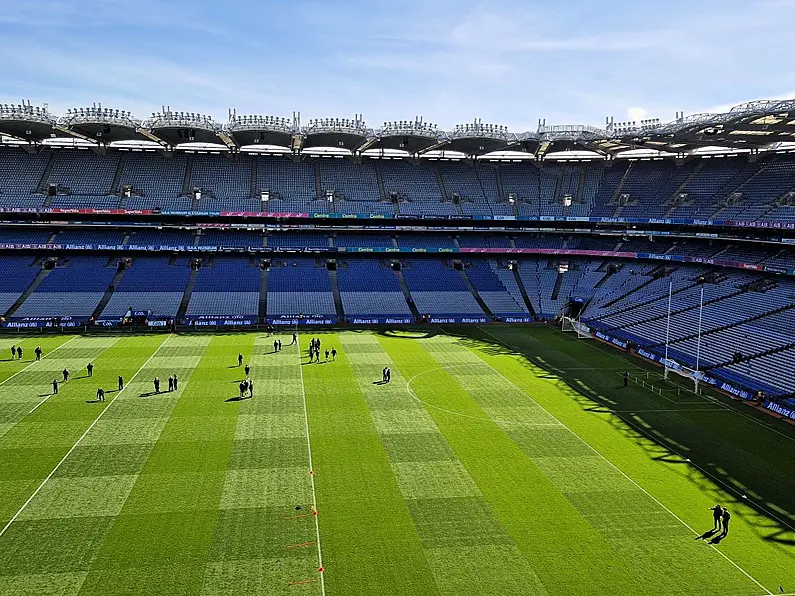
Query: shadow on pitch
x: 151, y: 393
x: 667, y: 431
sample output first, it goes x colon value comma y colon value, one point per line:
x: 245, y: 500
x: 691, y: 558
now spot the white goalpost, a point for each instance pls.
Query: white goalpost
x: 672, y: 366
x: 572, y: 325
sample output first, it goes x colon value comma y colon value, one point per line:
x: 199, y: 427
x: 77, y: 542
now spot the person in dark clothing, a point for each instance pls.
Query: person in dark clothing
x: 717, y: 514
x: 100, y: 394
x: 14, y: 351
x: 19, y: 352
x: 333, y: 354
x: 295, y: 339
x: 156, y: 383
x: 176, y: 383
x: 250, y: 388
x: 121, y: 383
x: 242, y: 388
x: 725, y: 518
x: 240, y: 359
x: 383, y: 375
x: 626, y: 379
x: 275, y: 346
x: 171, y: 383
x: 248, y: 369
x: 37, y: 351
x: 90, y: 369
x: 388, y: 375
x: 55, y: 386
x: 280, y: 345
x: 327, y: 354
x: 65, y: 375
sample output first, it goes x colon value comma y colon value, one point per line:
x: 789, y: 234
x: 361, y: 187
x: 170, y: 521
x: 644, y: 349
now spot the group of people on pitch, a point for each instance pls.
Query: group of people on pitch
x: 247, y: 385
x: 720, y: 521
x: 65, y: 374
x: 314, y: 351
x: 173, y: 383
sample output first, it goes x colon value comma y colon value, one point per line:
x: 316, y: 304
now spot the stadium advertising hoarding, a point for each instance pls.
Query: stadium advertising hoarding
x: 393, y: 320
x: 221, y: 320
x: 611, y: 340
x: 787, y: 412
x: 302, y: 320
x: 516, y: 319
x: 43, y: 322
x: 447, y: 320
x: 767, y: 225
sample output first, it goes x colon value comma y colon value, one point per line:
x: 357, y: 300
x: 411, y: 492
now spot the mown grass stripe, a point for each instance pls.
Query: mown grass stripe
x: 161, y: 539
x: 716, y: 442
x: 467, y: 548
x: 34, y: 446
x: 370, y: 545
x: 543, y: 524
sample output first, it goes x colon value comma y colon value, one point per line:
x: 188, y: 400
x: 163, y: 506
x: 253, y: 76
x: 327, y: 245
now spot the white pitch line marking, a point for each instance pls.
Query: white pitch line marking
x: 619, y: 470
x: 4, y: 381
x: 83, y: 436
x: 311, y: 473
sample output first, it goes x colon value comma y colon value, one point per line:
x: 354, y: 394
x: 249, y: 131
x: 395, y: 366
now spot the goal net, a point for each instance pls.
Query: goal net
x: 672, y: 366
x: 570, y: 325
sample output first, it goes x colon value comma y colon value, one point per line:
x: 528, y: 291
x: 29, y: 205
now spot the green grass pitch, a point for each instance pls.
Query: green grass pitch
x: 499, y: 460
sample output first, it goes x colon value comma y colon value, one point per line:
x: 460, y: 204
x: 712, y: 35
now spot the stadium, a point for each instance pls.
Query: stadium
x: 543, y: 355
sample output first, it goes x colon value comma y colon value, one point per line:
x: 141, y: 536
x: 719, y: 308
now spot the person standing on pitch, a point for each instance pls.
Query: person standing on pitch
x: 19, y: 352
x: 280, y: 345
x: 275, y: 346
x: 326, y: 354
x: 90, y: 370
x: 240, y: 359
x: 383, y: 375
x: 171, y: 383
x: 176, y: 383
x: 247, y: 369
x: 100, y: 394
x: 37, y: 351
x: 333, y: 354
x: 626, y: 378
x: 55, y: 386
x: 717, y: 514
x: 14, y: 351
x: 65, y: 375
x: 242, y: 388
x: 725, y: 518
x: 388, y: 375
x: 250, y: 388
x: 121, y: 383
x: 156, y: 383
x: 295, y: 339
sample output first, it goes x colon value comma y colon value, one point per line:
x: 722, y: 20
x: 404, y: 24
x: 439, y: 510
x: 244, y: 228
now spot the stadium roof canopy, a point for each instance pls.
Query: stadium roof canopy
x: 340, y: 133
x: 411, y: 136
x: 262, y: 130
x: 751, y: 126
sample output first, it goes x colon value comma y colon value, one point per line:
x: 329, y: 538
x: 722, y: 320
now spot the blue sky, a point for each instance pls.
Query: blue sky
x: 508, y: 62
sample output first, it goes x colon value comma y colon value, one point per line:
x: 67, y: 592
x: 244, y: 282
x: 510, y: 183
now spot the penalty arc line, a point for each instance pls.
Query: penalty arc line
x: 80, y: 440
x: 619, y: 470
x: 311, y: 472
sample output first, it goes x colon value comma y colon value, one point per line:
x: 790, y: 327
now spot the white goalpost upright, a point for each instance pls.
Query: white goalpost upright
x: 694, y: 374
